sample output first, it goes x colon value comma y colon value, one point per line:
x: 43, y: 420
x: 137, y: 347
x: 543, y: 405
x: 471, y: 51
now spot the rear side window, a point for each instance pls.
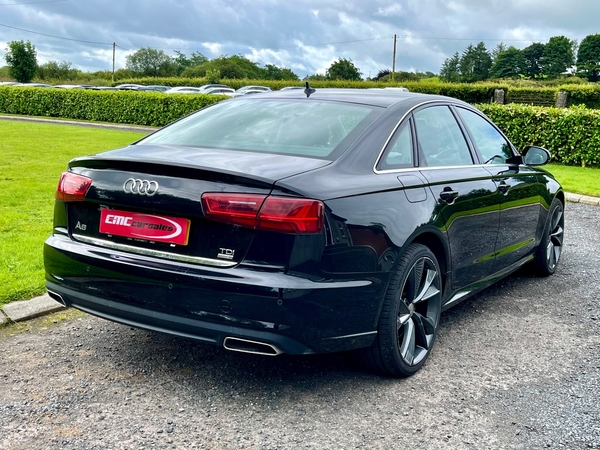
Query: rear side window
x: 304, y: 128
x: 494, y: 148
x: 399, y: 152
x: 441, y: 141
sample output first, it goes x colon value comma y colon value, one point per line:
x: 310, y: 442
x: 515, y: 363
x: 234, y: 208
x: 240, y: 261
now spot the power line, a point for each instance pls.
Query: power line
x: 463, y: 39
x: 57, y: 37
x: 280, y: 47
x: 32, y: 3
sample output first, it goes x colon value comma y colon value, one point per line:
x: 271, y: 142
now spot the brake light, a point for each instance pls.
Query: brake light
x: 72, y: 187
x: 262, y: 212
x: 237, y: 209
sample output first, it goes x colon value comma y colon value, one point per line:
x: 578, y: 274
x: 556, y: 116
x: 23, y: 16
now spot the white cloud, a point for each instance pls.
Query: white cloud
x: 395, y: 9
x: 294, y: 34
x: 214, y: 47
x: 280, y: 58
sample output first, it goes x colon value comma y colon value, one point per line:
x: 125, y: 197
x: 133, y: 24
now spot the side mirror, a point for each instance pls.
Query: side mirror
x: 535, y: 156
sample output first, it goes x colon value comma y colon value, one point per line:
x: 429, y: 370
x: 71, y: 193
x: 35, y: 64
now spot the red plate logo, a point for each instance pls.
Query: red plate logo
x: 150, y: 227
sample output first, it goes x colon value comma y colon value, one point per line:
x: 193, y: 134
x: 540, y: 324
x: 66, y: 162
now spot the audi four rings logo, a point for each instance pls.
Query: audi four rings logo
x: 136, y: 186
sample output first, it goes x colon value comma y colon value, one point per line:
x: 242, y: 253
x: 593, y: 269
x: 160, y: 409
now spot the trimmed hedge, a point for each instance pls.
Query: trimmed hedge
x: 532, y: 96
x: 472, y: 93
x: 130, y: 107
x: 586, y: 94
x: 571, y: 134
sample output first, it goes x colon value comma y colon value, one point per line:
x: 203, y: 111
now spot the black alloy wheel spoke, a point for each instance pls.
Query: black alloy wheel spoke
x: 554, y: 249
x: 403, y: 314
x: 407, y: 341
x: 420, y: 332
x: 416, y: 322
x: 556, y: 219
x: 428, y: 324
x: 413, y: 281
x: 428, y: 290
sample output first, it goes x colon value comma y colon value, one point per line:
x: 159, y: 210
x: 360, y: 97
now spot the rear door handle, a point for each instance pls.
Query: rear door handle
x: 503, y: 187
x: 448, y: 195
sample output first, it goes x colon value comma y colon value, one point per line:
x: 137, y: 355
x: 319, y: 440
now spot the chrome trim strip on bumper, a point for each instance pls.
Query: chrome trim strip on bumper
x: 349, y: 336
x: 154, y: 253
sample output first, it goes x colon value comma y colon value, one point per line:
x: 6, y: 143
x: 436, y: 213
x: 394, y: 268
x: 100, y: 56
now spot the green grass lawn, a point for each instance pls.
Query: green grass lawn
x: 579, y: 180
x: 32, y: 157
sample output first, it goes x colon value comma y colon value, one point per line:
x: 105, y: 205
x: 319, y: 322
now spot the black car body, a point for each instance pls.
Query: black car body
x: 304, y: 222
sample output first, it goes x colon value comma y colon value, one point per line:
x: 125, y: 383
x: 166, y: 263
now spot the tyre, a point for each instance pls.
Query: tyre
x: 409, y: 317
x: 550, y: 249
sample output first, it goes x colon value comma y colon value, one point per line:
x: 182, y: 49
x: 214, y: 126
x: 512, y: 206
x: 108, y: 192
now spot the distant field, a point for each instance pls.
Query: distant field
x: 32, y: 157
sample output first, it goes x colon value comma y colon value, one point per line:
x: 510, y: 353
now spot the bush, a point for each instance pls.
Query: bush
x: 571, y: 134
x: 532, y: 96
x: 588, y: 95
x: 139, y: 108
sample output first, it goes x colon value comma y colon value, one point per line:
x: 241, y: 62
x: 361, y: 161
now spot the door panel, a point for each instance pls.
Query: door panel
x: 467, y: 210
x: 520, y: 206
x: 519, y: 192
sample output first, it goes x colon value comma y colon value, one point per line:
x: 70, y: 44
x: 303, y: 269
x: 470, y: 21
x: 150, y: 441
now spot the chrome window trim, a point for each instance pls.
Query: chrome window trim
x: 412, y: 169
x: 153, y: 253
x: 375, y: 169
x: 378, y: 171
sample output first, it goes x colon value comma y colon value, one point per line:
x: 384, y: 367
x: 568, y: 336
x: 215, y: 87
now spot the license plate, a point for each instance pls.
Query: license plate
x: 151, y: 227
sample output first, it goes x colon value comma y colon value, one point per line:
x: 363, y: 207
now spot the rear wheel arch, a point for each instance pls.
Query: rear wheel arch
x: 438, y: 247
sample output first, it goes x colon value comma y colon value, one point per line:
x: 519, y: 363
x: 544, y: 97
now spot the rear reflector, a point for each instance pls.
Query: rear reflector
x: 262, y: 212
x: 72, y: 187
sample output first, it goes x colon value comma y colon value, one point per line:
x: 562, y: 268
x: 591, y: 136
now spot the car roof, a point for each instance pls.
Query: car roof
x: 375, y: 97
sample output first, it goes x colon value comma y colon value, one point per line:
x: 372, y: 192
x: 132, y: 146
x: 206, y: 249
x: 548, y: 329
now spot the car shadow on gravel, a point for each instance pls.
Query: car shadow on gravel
x: 172, y: 359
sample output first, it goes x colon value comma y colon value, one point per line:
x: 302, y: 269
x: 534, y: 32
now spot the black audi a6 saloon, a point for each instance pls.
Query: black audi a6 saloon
x: 304, y: 222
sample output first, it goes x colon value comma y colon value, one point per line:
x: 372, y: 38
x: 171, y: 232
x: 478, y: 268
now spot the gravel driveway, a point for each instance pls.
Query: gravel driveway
x: 517, y: 366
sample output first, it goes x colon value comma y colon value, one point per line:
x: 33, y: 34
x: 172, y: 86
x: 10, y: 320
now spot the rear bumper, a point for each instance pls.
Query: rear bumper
x: 294, y: 314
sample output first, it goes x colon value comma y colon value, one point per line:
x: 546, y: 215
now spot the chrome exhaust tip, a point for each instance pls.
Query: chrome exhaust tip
x: 57, y: 297
x: 247, y: 346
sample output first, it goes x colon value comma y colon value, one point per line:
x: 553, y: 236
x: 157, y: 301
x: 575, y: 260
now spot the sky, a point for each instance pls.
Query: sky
x: 306, y: 36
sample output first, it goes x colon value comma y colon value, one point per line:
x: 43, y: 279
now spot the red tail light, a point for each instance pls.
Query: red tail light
x: 262, y: 212
x: 72, y: 187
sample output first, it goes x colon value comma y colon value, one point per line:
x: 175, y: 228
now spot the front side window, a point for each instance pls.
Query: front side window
x: 297, y: 127
x: 494, y: 148
x: 441, y: 141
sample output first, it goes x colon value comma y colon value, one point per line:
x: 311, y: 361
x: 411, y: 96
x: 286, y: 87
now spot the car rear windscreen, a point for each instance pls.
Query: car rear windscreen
x: 298, y: 127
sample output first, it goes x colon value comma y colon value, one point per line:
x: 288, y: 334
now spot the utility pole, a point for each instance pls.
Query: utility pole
x: 394, y: 58
x: 113, y: 72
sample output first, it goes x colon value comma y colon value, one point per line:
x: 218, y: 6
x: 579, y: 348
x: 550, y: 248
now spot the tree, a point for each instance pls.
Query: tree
x: 182, y: 62
x: 343, y: 69
x: 558, y: 56
x: 509, y: 63
x: 482, y: 62
x: 501, y: 47
x: 383, y: 73
x: 150, y: 62
x: 533, y: 59
x: 588, y: 57
x: 279, y: 73
x: 21, y: 58
x: 467, y: 64
x: 236, y: 67
x: 54, y: 70
x: 450, y: 70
